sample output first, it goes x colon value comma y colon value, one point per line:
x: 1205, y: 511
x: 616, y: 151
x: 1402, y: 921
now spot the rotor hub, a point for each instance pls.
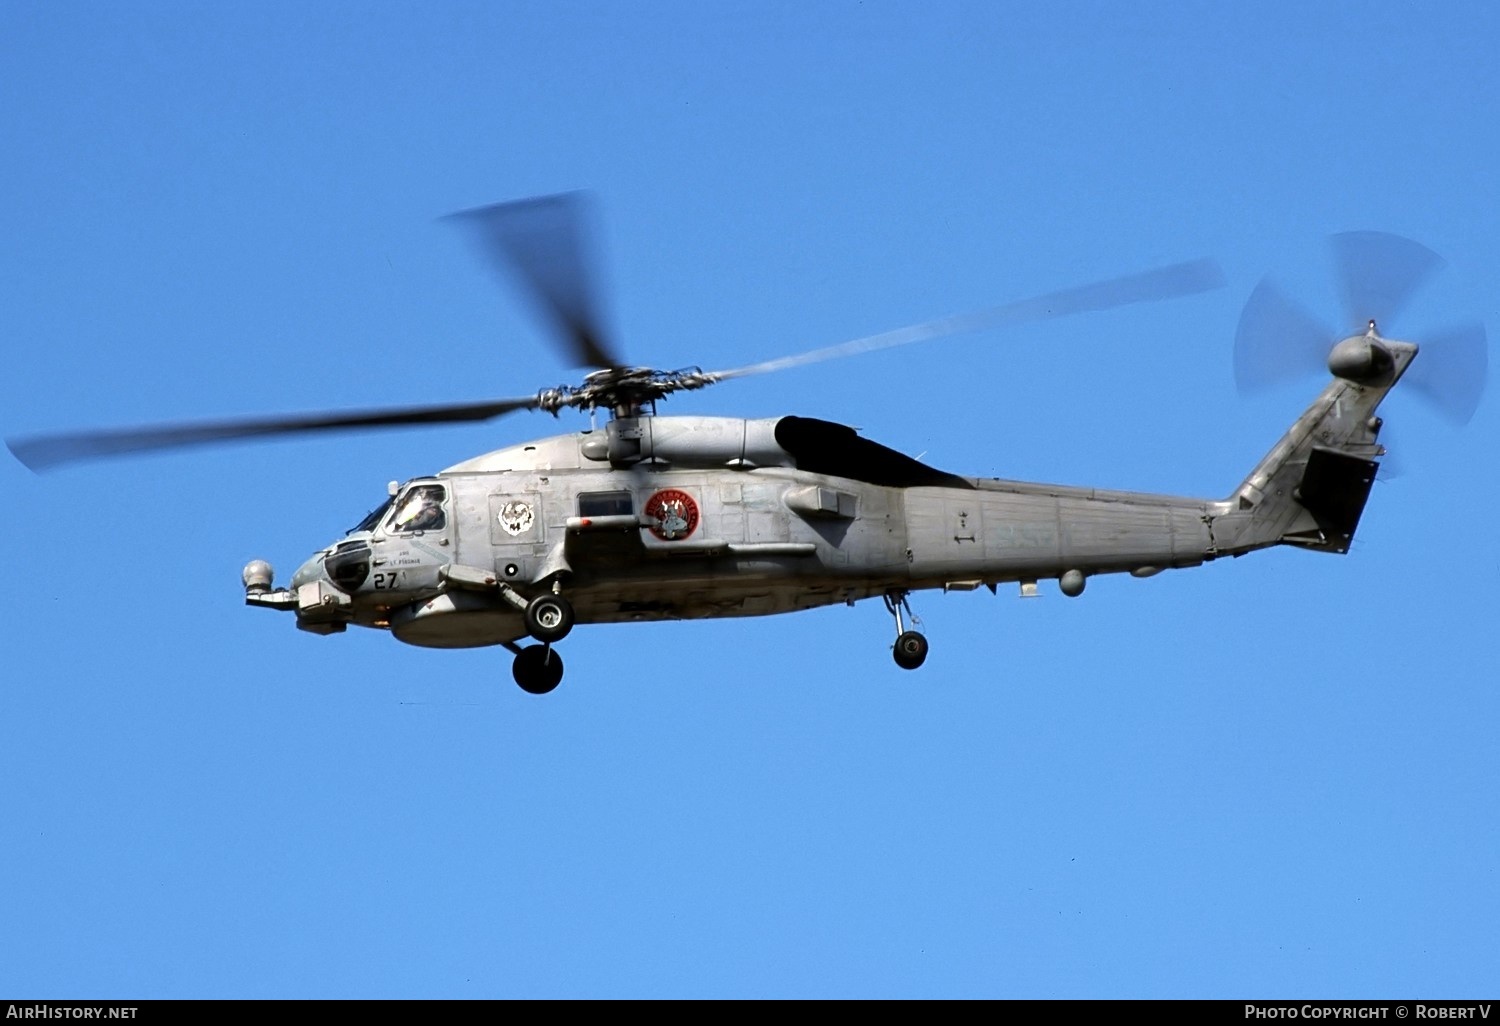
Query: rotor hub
x: 1363, y: 359
x: 622, y: 390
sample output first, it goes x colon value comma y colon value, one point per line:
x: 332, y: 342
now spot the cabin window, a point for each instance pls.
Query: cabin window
x: 605, y: 504
x: 420, y: 509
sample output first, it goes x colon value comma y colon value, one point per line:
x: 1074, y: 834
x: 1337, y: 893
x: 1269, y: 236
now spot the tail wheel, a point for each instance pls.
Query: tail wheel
x: 549, y: 618
x: 910, y: 651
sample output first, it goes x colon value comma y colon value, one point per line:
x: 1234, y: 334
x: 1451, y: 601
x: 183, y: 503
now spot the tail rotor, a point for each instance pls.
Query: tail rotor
x: 1377, y: 276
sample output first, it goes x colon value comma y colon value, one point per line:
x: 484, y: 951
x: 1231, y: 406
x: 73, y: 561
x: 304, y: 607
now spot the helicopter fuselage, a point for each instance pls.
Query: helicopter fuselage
x: 691, y: 517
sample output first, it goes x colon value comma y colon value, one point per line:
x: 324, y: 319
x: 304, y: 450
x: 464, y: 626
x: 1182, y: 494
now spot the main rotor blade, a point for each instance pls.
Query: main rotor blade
x: 1162, y: 283
x: 1277, y: 340
x: 1378, y: 275
x: 1451, y: 370
x: 546, y: 241
x: 43, y: 452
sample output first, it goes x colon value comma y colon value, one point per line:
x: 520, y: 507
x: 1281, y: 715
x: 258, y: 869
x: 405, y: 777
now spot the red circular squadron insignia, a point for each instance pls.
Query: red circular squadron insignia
x: 675, y: 513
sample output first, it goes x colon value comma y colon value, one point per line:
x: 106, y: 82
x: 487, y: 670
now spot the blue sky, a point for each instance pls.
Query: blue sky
x: 1267, y: 777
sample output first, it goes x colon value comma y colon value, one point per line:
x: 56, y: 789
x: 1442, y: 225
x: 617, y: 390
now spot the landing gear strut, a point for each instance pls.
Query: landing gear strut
x: 549, y: 618
x: 910, y: 650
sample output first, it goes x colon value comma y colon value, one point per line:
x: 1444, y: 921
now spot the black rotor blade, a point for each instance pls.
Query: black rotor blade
x: 1161, y: 283
x: 1451, y: 370
x: 547, y: 242
x: 1378, y: 274
x: 1277, y: 340
x: 43, y: 452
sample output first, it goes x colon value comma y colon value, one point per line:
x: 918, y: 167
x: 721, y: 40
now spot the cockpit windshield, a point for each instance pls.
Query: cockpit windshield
x: 419, y: 509
x: 373, y: 517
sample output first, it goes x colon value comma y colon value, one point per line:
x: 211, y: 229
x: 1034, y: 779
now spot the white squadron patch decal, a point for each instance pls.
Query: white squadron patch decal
x: 516, y: 517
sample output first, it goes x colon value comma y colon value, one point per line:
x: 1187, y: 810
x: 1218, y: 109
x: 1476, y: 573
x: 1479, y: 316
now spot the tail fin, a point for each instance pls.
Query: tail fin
x: 1310, y: 489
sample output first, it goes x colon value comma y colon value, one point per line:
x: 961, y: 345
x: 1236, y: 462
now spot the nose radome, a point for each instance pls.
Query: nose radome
x: 308, y: 572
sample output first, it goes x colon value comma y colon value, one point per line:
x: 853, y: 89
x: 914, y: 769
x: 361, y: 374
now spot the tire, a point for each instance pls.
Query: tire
x: 537, y: 669
x: 910, y: 651
x: 549, y: 618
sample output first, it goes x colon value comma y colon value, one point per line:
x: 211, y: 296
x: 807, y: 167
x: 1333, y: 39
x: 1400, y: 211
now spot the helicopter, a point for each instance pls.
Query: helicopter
x: 650, y: 517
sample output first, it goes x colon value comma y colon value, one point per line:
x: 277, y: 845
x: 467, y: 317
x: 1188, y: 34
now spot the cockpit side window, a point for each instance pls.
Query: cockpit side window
x: 420, y: 509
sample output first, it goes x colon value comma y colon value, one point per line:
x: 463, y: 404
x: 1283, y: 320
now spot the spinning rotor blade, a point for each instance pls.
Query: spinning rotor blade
x: 1277, y: 340
x: 1377, y: 276
x: 43, y: 452
x: 1450, y: 371
x: 546, y: 241
x: 1162, y: 283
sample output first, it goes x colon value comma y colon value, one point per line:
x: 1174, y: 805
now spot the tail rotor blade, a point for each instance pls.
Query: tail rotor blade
x: 1379, y: 273
x: 1277, y: 340
x: 1451, y: 371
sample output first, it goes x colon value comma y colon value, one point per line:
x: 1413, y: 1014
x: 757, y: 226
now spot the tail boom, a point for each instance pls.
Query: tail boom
x: 1310, y: 490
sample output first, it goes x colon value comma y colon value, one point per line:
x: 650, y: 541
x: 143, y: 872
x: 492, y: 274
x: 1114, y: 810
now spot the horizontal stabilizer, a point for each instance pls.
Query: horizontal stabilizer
x: 1334, y: 489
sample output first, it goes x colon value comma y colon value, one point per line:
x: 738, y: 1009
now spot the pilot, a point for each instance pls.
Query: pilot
x: 429, y: 517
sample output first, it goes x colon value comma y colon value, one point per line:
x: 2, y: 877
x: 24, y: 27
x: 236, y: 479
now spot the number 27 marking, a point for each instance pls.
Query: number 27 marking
x: 386, y: 580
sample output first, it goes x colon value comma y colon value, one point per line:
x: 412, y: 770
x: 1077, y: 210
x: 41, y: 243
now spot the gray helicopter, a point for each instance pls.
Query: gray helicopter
x: 662, y: 517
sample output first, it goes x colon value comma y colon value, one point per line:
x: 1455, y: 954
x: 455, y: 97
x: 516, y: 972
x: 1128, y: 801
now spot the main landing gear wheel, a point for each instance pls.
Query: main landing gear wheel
x: 910, y: 651
x: 549, y: 618
x: 911, y: 646
x: 537, y: 669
